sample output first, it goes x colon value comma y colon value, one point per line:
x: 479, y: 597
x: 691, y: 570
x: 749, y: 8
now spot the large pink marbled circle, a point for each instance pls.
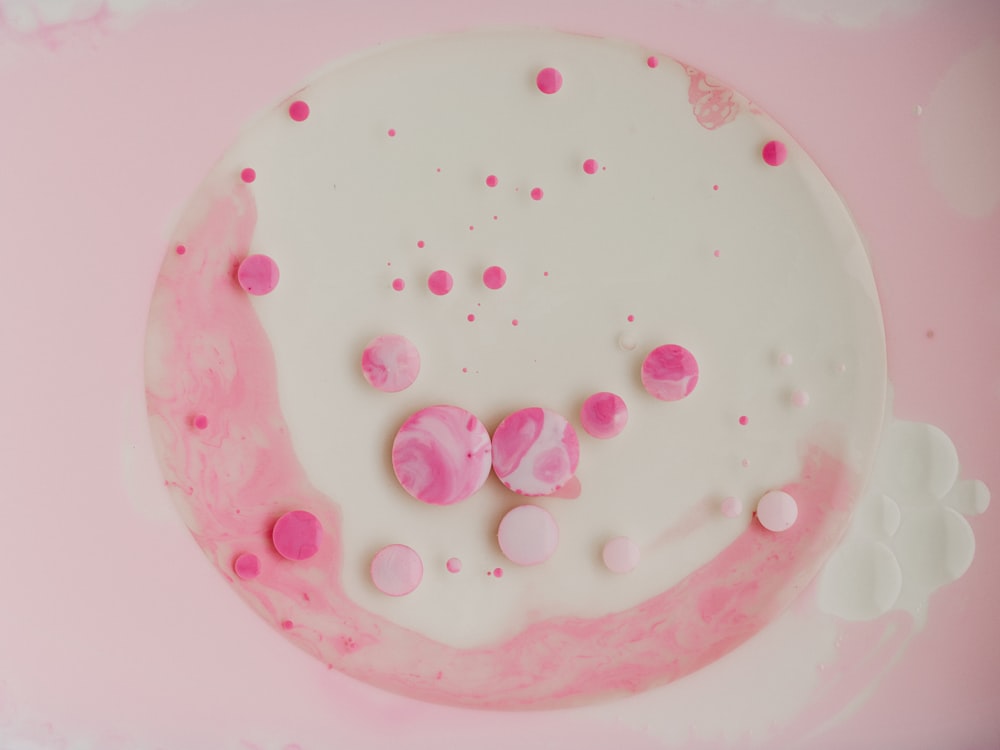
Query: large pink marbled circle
x: 390, y: 363
x: 535, y: 451
x: 669, y: 372
x: 441, y: 455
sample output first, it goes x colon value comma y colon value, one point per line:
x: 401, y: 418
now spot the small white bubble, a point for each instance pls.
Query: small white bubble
x: 627, y: 342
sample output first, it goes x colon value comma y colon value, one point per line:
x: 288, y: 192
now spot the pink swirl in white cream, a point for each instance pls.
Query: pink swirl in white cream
x: 535, y: 451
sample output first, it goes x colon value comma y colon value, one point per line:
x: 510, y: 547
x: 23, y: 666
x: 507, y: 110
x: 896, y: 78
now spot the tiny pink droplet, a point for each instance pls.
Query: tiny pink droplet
x: 470, y: 317
x: 398, y: 284
x: 287, y: 624
x: 454, y: 565
x: 491, y: 180
x: 180, y: 249
x: 420, y: 243
x: 715, y: 187
x: 440, y: 282
x: 258, y: 274
x: 716, y: 253
x: 391, y: 132
x: 774, y: 153
x: 652, y: 61
x: 744, y: 421
x: 298, y: 110
x: 201, y: 422
x: 498, y: 572
x: 494, y: 277
x: 514, y: 322
x: 471, y: 227
x: 549, y: 80
x: 247, y: 566
x: 536, y: 194
x: 590, y: 166
x: 248, y: 175
x: 631, y: 318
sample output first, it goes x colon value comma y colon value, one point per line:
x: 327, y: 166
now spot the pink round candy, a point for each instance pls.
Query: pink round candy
x: 528, y: 535
x: 604, y: 415
x: 441, y: 455
x: 731, y: 507
x: 774, y: 153
x: 298, y: 110
x: 669, y: 372
x: 390, y: 363
x: 396, y: 570
x: 247, y: 566
x: 535, y: 451
x: 258, y: 274
x: 620, y: 554
x: 777, y: 511
x: 297, y: 535
x: 440, y: 282
x: 494, y: 277
x: 549, y: 80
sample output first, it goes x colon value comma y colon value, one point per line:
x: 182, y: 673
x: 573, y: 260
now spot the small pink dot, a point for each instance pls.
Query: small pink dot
x: 470, y: 317
x: 440, y: 282
x: 298, y: 110
x: 491, y: 181
x: 495, y: 217
x: 549, y: 80
x: 438, y: 169
x: 651, y: 61
x: 744, y: 421
x: 471, y: 227
x: 494, y: 277
x: 287, y: 624
x: 715, y: 187
x: 201, y: 422
x: 398, y: 284
x: 180, y: 249
x: 248, y: 175
x: 498, y: 572
x: 420, y: 243
x: 514, y: 322
x: 545, y: 273
x: 247, y: 566
x: 454, y: 565
x: 716, y: 253
x: 391, y: 132
x: 774, y: 153
x: 631, y: 318
x: 536, y: 194
x: 590, y: 166
x: 258, y: 274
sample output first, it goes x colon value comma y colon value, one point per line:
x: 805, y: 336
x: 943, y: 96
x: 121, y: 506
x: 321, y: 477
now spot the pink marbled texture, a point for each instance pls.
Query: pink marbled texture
x: 535, y: 451
x: 390, y: 363
x: 714, y: 104
x: 669, y: 372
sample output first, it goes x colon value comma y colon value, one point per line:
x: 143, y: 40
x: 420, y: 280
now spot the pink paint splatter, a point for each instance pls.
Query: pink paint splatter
x: 620, y: 555
x: 744, y: 420
x: 669, y: 372
x: 715, y: 187
x: 396, y: 570
x: 537, y: 194
x: 630, y: 318
x: 774, y: 153
x: 390, y: 363
x: 297, y: 535
x: 440, y: 282
x: 494, y: 277
x: 716, y: 253
x: 201, y: 422
x: 247, y: 566
x: 258, y: 274
x: 398, y: 284
x: 549, y: 80
x: 491, y: 180
x: 604, y: 415
x: 535, y: 451
x: 590, y: 166
x: 652, y: 61
x: 515, y: 322
x: 528, y: 535
x: 287, y: 624
x: 248, y: 175
x: 298, y: 110
x: 714, y: 104
x: 454, y: 565
x: 777, y: 511
x: 180, y: 249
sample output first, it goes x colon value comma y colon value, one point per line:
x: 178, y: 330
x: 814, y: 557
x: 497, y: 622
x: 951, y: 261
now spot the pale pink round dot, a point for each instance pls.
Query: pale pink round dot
x: 745, y: 463
x: 630, y: 318
x: 258, y: 274
x: 441, y: 455
x: 731, y: 507
x: 454, y: 565
x: 716, y: 253
x: 180, y: 249
x: 800, y: 398
x: 620, y: 554
x: 396, y: 570
x: 515, y: 322
x: 248, y: 175
x: 669, y: 372
x: 652, y: 61
x: 528, y: 535
x: 287, y: 624
x: 398, y: 284
x: 471, y: 227
x: 298, y: 110
x: 470, y: 317
x: 537, y: 193
x: 715, y: 187
x: 391, y: 132
x: 549, y: 80
x: 491, y: 180
x: 604, y: 415
x: 296, y: 535
x: 777, y: 511
x: 535, y: 451
x: 590, y: 166
x: 774, y: 153
x: 247, y: 566
x: 390, y: 363
x: 744, y: 420
x: 201, y: 422
x: 498, y: 572
x: 494, y: 277
x: 440, y: 282
x: 785, y: 359
x: 420, y: 243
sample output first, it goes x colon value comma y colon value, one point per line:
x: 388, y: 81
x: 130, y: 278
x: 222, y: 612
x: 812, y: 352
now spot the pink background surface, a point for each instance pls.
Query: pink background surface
x: 114, y: 633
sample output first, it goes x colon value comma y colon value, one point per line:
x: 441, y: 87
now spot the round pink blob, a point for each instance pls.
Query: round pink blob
x: 777, y: 511
x: 201, y: 422
x: 296, y: 535
x: 396, y: 570
x: 744, y: 420
x: 549, y: 80
x: 669, y: 372
x: 620, y: 554
x: 390, y: 363
x: 494, y: 277
x: 441, y: 455
x: 491, y: 180
x: 537, y: 194
x: 258, y: 274
x: 498, y: 572
x: 180, y: 249
x: 535, y: 451
x: 247, y: 566
x: 774, y: 153
x: 440, y: 282
x: 398, y: 284
x: 731, y: 507
x: 652, y: 61
x: 528, y: 535
x: 590, y: 166
x: 454, y: 565
x: 604, y: 415
x: 391, y: 132
x: 420, y: 243
x: 298, y: 110
x: 248, y: 175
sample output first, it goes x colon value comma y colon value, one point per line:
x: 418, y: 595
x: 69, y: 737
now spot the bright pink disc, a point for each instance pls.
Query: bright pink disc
x: 652, y: 61
x: 453, y: 565
x: 535, y: 451
x: 298, y: 110
x: 491, y: 180
x: 537, y: 194
x: 390, y: 363
x: 248, y: 175
x: 604, y: 415
x: 247, y: 566
x: 774, y: 153
x: 669, y: 372
x: 620, y: 554
x: 777, y: 511
x: 398, y: 284
x: 528, y: 535
x: 440, y: 282
x: 494, y: 277
x: 201, y: 422
x: 590, y: 166
x: 549, y: 80
x: 441, y: 455
x: 258, y: 274
x: 296, y: 535
x: 396, y: 570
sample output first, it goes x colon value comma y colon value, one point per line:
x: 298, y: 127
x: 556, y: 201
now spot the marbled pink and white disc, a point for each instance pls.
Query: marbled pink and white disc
x: 777, y: 511
x: 396, y: 570
x: 390, y: 363
x: 442, y: 455
x: 535, y: 451
x: 528, y: 535
x: 669, y: 372
x: 604, y: 415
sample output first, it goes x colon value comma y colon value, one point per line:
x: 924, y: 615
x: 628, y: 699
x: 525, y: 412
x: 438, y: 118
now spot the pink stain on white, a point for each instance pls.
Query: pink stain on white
x: 258, y: 274
x: 491, y: 180
x: 441, y: 455
x: 669, y: 372
x: 201, y: 422
x: 549, y: 80
x: 494, y: 277
x: 590, y: 166
x: 777, y: 511
x: 390, y: 363
x: 652, y: 61
x: 604, y: 415
x: 297, y: 535
x: 396, y: 570
x: 248, y: 175
x: 535, y: 451
x: 440, y: 282
x: 528, y: 535
x: 621, y: 554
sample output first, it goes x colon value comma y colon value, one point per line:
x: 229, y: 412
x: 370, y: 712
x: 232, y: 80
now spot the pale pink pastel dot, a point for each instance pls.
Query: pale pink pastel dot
x: 248, y: 175
x: 715, y: 187
x: 774, y: 153
x: 390, y: 363
x: 398, y: 284
x: 590, y: 166
x: 535, y: 451
x: 201, y: 422
x: 785, y: 359
x: 180, y: 249
x: 498, y: 572
x: 528, y: 535
x: 470, y: 317
x: 441, y: 455
x: 454, y: 565
x: 731, y: 507
x: 716, y: 253
x: 800, y: 398
x: 440, y: 282
x: 420, y: 243
x: 669, y: 372
x: 258, y: 274
x: 630, y: 318
x: 247, y: 566
x: 391, y: 132
x: 515, y: 322
x: 296, y: 535
x: 777, y: 511
x: 287, y: 624
x: 620, y: 554
x: 549, y: 80
x: 604, y: 415
x: 396, y: 570
x: 491, y: 180
x: 537, y: 193
x: 298, y: 110
x: 744, y: 420
x: 494, y: 277
x: 652, y: 61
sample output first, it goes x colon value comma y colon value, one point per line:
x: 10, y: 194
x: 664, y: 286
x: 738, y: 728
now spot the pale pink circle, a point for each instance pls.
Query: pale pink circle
x: 498, y: 572
x: 604, y: 415
x: 298, y: 110
x: 440, y: 282
x: 420, y: 243
x: 391, y: 132
x: 528, y: 535
x: 535, y: 451
x: 491, y: 180
x: 248, y: 175
x: 258, y: 274
x: 590, y: 166
x: 652, y: 61
x: 537, y: 194
x: 297, y: 535
x: 744, y: 420
x: 470, y: 317
x: 396, y: 570
x: 398, y: 284
x: 774, y: 153
x: 201, y: 422
x: 549, y: 80
x: 800, y: 398
x: 777, y: 511
x: 494, y: 277
x: 731, y: 507
x: 441, y: 455
x: 669, y: 372
x: 454, y: 565
x: 247, y: 566
x: 390, y: 363
x: 620, y: 554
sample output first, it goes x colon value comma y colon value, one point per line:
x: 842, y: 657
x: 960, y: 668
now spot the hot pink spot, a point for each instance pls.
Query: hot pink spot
x: 716, y: 253
x: 777, y: 511
x: 528, y: 535
x: 652, y: 61
x: 494, y: 277
x: 491, y: 180
x: 390, y: 363
x: 440, y: 282
x: 454, y: 565
x: 248, y: 175
x: 744, y: 421
x: 537, y: 193
x: 247, y: 566
x: 535, y: 451
x: 549, y: 80
x: 258, y: 274
x: 391, y: 132
x: 498, y: 572
x: 620, y: 554
x: 201, y: 422
x: 604, y: 415
x: 715, y: 187
x: 398, y: 284
x: 287, y: 624
x: 631, y: 318
x: 774, y: 153
x: 590, y: 166
x: 297, y: 535
x: 470, y: 317
x: 396, y: 570
x: 514, y: 322
x: 669, y: 372
x: 420, y: 243
x: 180, y: 249
x: 298, y: 110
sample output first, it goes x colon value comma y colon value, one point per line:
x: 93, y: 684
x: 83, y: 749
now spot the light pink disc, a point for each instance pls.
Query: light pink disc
x: 454, y: 565
x: 669, y: 372
x: 777, y: 511
x: 494, y: 277
x: 549, y: 80
x: 296, y: 535
x: 535, y: 451
x: 774, y: 153
x: 620, y: 554
x: 396, y: 570
x: 441, y: 455
x: 731, y: 507
x: 528, y: 535
x: 247, y: 566
x: 258, y: 274
x: 590, y: 166
x: 604, y: 415
x: 390, y: 363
